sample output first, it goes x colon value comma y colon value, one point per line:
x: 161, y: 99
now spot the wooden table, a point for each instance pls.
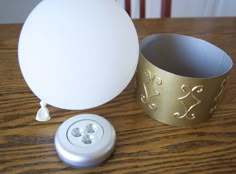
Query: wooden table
x: 143, y: 144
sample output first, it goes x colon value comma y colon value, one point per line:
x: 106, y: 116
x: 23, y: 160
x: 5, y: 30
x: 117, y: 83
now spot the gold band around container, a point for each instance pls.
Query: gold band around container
x: 183, y: 95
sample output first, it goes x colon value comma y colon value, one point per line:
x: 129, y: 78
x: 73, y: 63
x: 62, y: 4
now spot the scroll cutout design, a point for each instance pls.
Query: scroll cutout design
x: 152, y: 81
x: 223, y: 83
x: 190, y: 93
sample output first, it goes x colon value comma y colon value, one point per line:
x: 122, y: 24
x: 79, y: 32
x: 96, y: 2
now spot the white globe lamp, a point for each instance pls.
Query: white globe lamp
x: 78, y: 54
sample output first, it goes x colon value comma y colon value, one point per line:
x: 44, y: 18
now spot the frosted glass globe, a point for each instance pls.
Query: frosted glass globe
x: 78, y: 54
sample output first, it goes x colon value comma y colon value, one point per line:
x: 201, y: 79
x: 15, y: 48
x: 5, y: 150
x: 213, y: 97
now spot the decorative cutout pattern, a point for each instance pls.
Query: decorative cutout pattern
x: 153, y: 82
x: 190, y: 93
x: 223, y: 83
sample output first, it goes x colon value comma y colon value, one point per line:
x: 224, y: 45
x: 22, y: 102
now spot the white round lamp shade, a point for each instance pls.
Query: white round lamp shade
x: 78, y: 54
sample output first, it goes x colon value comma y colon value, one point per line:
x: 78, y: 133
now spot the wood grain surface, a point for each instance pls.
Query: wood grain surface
x: 143, y: 144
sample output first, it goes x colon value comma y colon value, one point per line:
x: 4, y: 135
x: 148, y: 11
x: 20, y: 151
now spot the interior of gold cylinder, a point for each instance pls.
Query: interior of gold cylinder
x: 185, y: 56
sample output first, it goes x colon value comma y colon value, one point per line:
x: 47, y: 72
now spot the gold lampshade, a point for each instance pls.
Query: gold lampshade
x: 180, y: 78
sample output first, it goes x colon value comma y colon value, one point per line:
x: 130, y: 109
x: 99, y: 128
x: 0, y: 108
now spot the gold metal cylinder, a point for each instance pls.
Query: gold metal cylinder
x: 180, y: 78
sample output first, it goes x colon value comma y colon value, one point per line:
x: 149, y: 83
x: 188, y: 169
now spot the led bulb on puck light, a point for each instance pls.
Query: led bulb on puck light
x: 85, y: 141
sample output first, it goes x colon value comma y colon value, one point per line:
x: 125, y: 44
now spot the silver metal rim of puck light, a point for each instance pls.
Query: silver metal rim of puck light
x: 85, y: 141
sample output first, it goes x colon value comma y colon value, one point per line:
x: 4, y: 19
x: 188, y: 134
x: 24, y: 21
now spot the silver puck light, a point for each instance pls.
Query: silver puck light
x: 85, y: 141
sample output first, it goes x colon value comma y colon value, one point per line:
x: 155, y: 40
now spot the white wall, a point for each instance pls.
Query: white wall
x: 186, y: 8
x: 203, y: 8
x: 16, y: 11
